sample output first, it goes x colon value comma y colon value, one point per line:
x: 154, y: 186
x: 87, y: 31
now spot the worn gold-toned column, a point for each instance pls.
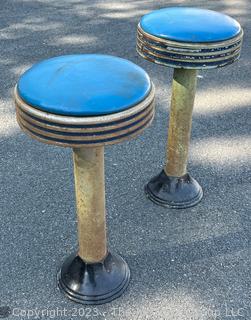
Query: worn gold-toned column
x: 174, y: 187
x: 180, y: 121
x: 186, y: 39
x: 90, y: 201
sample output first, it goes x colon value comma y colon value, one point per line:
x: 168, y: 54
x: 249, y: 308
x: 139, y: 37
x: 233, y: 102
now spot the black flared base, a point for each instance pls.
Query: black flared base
x: 174, y: 192
x: 95, y: 283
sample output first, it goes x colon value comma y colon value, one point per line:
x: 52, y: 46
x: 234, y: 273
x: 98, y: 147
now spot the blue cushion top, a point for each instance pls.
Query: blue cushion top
x: 190, y: 25
x: 84, y: 85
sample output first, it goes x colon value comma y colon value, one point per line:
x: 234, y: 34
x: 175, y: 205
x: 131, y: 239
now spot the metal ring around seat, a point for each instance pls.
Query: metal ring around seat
x: 188, y: 55
x: 68, y: 131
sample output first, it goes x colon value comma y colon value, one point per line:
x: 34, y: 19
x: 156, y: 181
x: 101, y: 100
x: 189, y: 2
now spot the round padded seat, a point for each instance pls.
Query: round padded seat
x: 189, y: 38
x: 84, y: 100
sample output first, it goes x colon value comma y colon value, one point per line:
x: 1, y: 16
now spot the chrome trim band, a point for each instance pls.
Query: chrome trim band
x: 84, y: 131
x: 188, y: 55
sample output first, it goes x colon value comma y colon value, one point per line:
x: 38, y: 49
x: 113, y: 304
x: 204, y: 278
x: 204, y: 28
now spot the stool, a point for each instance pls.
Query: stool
x: 85, y: 102
x: 186, y: 39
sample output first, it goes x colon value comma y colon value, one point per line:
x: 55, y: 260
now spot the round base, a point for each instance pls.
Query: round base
x: 174, y: 192
x: 94, y: 283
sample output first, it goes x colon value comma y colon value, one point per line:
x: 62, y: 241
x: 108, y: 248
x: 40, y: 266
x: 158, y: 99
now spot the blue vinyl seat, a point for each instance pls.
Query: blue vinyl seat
x: 189, y: 38
x: 84, y: 100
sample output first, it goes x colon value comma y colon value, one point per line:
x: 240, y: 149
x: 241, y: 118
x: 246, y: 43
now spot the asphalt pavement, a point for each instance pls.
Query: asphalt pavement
x: 191, y: 264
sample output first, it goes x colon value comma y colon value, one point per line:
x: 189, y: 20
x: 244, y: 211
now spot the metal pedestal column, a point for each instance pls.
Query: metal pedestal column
x: 93, y: 275
x: 174, y: 187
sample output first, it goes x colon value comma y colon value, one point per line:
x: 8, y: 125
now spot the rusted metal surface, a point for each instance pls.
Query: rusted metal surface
x: 78, y: 132
x: 188, y: 55
x: 90, y: 199
x: 180, y: 122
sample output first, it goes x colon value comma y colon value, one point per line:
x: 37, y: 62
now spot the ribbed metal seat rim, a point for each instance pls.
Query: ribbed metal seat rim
x: 188, y: 55
x: 89, y: 131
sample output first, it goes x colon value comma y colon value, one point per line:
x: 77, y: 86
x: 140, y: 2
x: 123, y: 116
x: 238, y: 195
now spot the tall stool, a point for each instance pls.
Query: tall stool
x: 86, y: 102
x: 186, y: 39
